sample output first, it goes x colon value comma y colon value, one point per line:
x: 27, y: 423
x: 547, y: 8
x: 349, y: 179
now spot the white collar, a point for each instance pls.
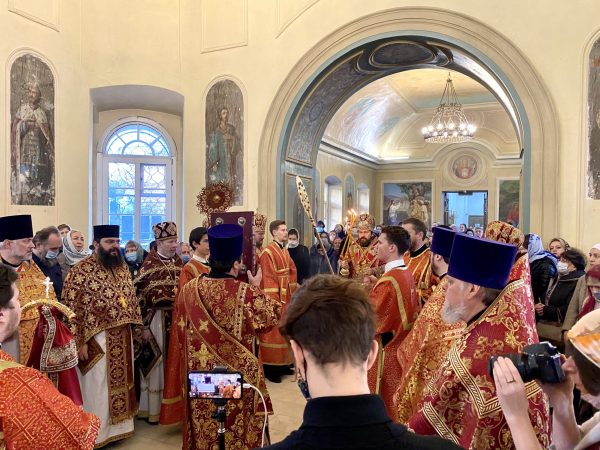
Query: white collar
x: 393, y: 264
x: 200, y: 260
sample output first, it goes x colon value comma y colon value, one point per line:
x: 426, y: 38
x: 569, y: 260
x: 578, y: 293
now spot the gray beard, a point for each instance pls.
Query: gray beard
x: 453, y: 315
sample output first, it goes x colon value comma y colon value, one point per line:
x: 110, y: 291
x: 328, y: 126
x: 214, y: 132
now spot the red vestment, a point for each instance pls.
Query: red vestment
x: 396, y: 306
x: 460, y: 404
x: 278, y: 283
x: 419, y: 264
x: 45, y: 343
x: 216, y: 321
x: 191, y: 270
x: 422, y: 352
x: 34, y: 415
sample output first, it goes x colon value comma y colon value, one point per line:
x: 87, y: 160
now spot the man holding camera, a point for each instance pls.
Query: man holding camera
x: 216, y: 321
x: 461, y: 403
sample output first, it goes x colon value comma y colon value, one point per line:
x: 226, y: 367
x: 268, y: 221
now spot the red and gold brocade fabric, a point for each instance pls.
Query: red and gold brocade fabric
x: 363, y: 261
x: 419, y: 265
x: 422, y: 352
x: 396, y: 306
x: 101, y: 298
x: 279, y: 284
x: 191, y: 270
x: 216, y: 322
x: 157, y: 283
x: 460, y: 404
x: 34, y: 415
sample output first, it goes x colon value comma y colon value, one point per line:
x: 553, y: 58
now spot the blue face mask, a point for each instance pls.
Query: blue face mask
x: 51, y: 255
x: 185, y: 258
x: 131, y: 257
x: 597, y: 296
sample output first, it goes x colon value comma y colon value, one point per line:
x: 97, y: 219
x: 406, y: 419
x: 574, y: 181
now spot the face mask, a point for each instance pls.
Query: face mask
x: 320, y: 229
x: 562, y: 267
x: 293, y: 244
x: 51, y: 255
x: 597, y: 296
x: 131, y: 257
x: 185, y: 258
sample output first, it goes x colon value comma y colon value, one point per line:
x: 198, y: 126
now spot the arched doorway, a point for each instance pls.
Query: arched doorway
x: 405, y: 39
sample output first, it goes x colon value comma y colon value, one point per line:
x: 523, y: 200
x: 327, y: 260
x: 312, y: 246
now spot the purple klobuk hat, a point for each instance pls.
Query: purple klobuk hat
x: 441, y: 244
x: 481, y: 261
x: 225, y: 242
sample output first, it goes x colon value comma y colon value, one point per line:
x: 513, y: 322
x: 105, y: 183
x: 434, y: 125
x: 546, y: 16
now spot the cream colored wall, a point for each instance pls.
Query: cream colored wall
x: 185, y: 45
x: 329, y: 165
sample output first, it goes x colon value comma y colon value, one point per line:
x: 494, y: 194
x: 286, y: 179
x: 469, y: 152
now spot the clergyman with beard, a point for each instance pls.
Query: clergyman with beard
x: 100, y: 291
x: 363, y: 260
x: 47, y: 243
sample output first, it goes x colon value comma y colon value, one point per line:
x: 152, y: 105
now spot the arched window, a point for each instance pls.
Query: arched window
x: 136, y: 178
x: 332, y: 201
x: 363, y: 198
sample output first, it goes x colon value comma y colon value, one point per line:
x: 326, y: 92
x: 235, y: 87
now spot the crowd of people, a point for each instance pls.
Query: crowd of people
x: 389, y: 330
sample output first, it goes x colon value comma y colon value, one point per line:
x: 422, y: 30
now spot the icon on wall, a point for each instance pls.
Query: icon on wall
x: 404, y: 200
x: 32, y: 157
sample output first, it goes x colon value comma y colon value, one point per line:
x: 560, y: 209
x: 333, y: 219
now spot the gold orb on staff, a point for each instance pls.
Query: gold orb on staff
x: 306, y: 206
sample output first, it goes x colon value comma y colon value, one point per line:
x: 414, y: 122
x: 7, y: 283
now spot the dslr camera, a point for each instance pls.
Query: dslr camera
x: 537, y: 362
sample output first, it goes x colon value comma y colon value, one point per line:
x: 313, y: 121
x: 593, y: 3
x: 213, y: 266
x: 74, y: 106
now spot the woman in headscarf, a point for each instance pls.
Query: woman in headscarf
x: 582, y: 290
x: 134, y: 256
x: 73, y: 251
x: 543, y: 267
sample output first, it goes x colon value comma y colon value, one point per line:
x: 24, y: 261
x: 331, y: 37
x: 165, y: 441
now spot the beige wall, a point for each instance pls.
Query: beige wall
x: 185, y: 45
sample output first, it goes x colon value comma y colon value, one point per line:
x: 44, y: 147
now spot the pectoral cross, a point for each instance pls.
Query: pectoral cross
x: 48, y: 285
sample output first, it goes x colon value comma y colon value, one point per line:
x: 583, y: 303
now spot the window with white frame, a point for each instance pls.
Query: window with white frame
x: 333, y: 201
x: 135, y: 167
x: 363, y: 198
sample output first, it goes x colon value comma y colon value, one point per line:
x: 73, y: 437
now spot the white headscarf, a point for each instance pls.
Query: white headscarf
x: 72, y: 255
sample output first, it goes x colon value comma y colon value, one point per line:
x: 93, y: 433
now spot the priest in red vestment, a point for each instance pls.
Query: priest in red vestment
x: 396, y: 307
x: 361, y: 259
x: 217, y: 320
x: 100, y: 292
x: 156, y: 286
x: 419, y: 259
x: 494, y: 299
x: 425, y: 348
x: 42, y: 340
x: 33, y: 414
x: 278, y: 283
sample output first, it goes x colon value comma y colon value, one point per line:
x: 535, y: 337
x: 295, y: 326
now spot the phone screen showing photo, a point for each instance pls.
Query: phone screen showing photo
x: 211, y: 385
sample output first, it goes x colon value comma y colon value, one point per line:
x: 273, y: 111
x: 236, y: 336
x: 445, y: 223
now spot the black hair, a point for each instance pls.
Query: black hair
x: 8, y: 276
x: 196, y: 235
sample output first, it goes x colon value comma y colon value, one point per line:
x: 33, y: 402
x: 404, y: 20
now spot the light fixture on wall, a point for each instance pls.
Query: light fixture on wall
x: 449, y: 123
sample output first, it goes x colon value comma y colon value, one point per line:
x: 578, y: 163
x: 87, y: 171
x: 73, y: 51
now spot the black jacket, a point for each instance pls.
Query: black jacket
x: 560, y: 298
x: 353, y: 422
x: 543, y: 271
x: 301, y: 259
x: 53, y: 272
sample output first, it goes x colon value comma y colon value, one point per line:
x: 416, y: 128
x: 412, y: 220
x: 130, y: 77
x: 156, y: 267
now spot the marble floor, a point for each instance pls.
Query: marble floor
x: 288, y: 406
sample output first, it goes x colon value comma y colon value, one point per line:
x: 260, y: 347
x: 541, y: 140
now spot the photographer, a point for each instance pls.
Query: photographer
x: 331, y: 329
x: 581, y: 370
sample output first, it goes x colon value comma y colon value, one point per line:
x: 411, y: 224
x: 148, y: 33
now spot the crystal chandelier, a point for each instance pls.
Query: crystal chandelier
x: 449, y: 123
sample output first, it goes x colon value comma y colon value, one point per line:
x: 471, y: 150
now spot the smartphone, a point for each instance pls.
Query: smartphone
x: 215, y: 385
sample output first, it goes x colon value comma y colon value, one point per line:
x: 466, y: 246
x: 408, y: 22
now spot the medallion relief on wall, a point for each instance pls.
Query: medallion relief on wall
x: 32, y: 154
x: 225, y: 137
x: 465, y: 168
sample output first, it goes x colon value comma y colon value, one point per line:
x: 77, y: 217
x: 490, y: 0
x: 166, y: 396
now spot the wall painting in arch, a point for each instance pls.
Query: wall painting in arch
x: 404, y: 200
x: 593, y: 174
x: 225, y: 137
x: 508, y: 201
x: 32, y: 152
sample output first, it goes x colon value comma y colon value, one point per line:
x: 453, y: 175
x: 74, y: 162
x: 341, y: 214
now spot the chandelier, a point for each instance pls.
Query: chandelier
x: 449, y: 123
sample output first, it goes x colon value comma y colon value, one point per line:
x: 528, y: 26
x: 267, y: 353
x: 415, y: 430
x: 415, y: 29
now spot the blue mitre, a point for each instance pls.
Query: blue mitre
x: 225, y: 242
x: 441, y: 243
